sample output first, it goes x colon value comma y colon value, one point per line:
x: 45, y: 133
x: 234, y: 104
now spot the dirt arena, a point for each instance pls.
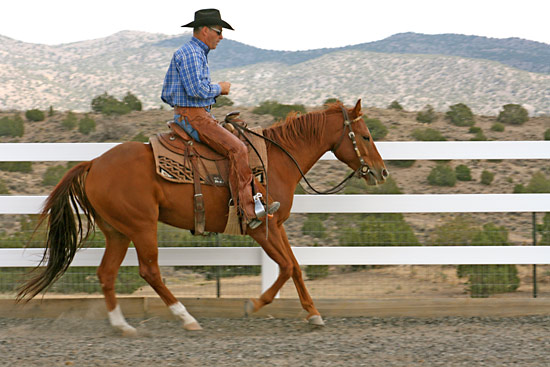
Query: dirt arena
x: 359, y: 341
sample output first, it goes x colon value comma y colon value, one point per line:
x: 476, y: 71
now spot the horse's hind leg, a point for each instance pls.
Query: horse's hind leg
x: 116, y: 245
x: 146, y: 246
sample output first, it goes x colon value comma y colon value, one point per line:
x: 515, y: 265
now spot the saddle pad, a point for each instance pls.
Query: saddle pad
x: 178, y: 168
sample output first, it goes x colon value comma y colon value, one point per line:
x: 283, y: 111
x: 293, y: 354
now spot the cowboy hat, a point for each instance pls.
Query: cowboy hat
x: 208, y: 17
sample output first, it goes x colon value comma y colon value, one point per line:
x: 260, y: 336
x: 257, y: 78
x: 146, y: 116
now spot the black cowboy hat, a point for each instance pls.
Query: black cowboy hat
x: 208, y: 17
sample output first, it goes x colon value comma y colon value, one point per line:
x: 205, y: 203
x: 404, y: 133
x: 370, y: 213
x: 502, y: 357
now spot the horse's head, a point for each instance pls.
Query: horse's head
x: 356, y: 148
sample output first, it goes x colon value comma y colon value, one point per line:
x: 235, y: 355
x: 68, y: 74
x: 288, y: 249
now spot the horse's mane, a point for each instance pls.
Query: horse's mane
x: 296, y: 128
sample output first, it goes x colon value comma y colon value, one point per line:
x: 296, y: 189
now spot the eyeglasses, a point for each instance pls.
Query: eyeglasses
x: 218, y: 31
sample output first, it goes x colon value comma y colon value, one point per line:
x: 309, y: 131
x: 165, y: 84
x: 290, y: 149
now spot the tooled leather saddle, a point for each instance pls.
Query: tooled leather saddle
x: 181, y: 159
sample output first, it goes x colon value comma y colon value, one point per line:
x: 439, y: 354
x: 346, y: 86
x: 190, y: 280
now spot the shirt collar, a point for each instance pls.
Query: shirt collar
x: 201, y: 44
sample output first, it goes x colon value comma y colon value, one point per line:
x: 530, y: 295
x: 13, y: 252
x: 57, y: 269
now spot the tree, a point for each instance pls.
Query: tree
x: 513, y: 114
x: 132, y: 102
x: 86, y: 125
x: 222, y: 101
x: 377, y: 129
x: 460, y: 115
x: 427, y: 115
x: 395, y: 106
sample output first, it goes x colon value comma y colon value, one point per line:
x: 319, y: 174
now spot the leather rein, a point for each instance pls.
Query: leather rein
x: 362, y: 171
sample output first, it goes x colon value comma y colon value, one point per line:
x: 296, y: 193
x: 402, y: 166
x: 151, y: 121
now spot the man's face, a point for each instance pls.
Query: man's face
x: 213, y: 36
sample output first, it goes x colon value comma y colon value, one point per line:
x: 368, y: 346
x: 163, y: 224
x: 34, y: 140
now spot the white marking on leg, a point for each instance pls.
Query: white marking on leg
x: 189, y: 322
x: 119, y: 322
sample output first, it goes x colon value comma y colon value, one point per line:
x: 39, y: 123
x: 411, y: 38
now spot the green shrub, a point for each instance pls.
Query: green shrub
x: 513, y: 114
x: 381, y: 229
x: 547, y: 134
x: 51, y: 111
x: 498, y: 127
x: 442, y: 175
x: 377, y: 129
x: 427, y: 115
x: 395, y: 106
x: 401, y: 163
x: 487, y: 177
x: 35, y: 115
x: 484, y: 280
x: 460, y: 115
x: 3, y: 188
x: 133, y: 103
x: 538, y: 184
x: 544, y: 230
x: 316, y: 271
x: 427, y: 134
x: 480, y: 136
x: 313, y: 226
x: 463, y: 173
x: 141, y: 137
x: 53, y: 175
x: 86, y: 125
x: 458, y: 231
x: 70, y: 121
x: 277, y: 110
x: 13, y: 127
x: 222, y: 101
x: 474, y: 129
x: 109, y: 105
x: 359, y: 186
x: 24, y: 167
x: 329, y: 101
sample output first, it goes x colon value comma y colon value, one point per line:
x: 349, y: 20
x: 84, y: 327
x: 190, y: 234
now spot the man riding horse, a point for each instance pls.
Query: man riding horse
x: 189, y: 90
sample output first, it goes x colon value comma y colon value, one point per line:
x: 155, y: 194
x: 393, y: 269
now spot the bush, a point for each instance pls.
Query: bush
x: 487, y: 177
x: 498, y: 127
x: 13, y: 127
x: 377, y: 129
x: 460, y: 115
x: 538, y: 184
x: 3, y: 188
x: 86, y: 125
x: 427, y: 134
x: 442, y: 175
x: 395, y: 106
x: 51, y: 111
x: 69, y: 122
x: 222, y: 101
x: 463, y: 173
x: 547, y: 134
x: 53, y: 175
x: 132, y: 102
x: 24, y: 167
x: 329, y: 101
x: 277, y: 110
x: 401, y: 163
x: 544, y: 230
x: 35, y: 115
x: 141, y: 137
x: 513, y: 114
x: 484, y: 280
x: 458, y: 231
x: 109, y: 105
x: 313, y: 226
x: 316, y: 271
x: 480, y: 136
x: 384, y: 229
x: 427, y: 115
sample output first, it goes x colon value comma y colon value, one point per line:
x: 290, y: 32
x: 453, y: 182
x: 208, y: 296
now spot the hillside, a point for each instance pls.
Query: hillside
x: 414, y: 69
x: 400, y: 124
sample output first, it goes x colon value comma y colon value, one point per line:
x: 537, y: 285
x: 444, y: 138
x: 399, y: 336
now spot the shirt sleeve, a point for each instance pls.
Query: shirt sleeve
x: 195, y: 77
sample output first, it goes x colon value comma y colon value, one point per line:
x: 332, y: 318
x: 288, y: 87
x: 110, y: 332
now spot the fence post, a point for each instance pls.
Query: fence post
x: 534, y: 265
x: 270, y: 272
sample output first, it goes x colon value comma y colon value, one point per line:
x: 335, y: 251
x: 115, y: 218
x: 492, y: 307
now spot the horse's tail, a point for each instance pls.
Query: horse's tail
x: 65, y: 231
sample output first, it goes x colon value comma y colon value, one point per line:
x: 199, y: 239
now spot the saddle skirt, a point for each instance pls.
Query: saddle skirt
x: 176, y: 154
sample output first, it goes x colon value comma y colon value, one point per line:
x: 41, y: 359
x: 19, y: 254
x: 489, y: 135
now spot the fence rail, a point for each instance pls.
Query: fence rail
x: 169, y: 256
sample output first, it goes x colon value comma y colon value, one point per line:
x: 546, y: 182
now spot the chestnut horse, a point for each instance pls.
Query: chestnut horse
x: 121, y: 194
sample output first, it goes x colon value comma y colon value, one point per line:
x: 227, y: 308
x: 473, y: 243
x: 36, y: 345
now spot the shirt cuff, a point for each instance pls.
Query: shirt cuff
x: 217, y: 89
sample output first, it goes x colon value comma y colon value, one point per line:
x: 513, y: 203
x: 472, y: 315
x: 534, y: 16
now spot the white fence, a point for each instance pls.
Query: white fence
x: 425, y: 255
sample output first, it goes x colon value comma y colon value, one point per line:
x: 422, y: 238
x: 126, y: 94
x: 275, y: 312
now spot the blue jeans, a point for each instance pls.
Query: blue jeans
x: 185, y: 125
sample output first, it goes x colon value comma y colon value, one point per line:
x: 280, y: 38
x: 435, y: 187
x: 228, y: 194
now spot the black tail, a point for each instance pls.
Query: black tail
x: 66, y: 230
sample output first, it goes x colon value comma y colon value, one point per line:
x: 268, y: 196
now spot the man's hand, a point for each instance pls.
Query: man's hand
x: 225, y: 87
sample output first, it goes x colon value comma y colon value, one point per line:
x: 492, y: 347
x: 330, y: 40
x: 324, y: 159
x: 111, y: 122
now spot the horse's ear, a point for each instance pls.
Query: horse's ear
x: 357, y: 108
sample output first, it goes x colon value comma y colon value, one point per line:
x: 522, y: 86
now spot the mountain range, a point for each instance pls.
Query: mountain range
x: 414, y: 69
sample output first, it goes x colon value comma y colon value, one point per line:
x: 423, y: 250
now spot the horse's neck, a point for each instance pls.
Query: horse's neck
x: 308, y: 142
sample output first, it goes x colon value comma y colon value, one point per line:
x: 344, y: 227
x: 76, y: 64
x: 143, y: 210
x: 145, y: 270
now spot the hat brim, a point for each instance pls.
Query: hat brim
x: 208, y: 22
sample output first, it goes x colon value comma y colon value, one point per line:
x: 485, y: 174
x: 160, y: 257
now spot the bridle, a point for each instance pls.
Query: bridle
x: 364, y: 168
x: 361, y: 172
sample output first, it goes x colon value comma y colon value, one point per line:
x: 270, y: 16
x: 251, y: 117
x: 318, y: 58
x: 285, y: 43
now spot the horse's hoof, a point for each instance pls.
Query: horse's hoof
x: 192, y: 326
x: 249, y: 307
x: 129, y: 332
x: 316, y: 320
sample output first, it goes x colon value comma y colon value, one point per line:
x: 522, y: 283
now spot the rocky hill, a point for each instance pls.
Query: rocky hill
x: 413, y: 69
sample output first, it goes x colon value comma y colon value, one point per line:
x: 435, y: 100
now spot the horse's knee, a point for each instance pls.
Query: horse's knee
x: 150, y: 274
x: 286, y: 270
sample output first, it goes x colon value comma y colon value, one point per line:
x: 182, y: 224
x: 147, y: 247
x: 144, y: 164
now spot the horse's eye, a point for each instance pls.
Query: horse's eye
x: 366, y: 138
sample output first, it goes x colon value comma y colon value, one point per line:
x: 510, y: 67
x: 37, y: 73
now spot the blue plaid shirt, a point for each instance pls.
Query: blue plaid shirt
x: 187, y: 82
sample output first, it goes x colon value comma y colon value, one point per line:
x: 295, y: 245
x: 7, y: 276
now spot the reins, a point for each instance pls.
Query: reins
x: 363, y: 170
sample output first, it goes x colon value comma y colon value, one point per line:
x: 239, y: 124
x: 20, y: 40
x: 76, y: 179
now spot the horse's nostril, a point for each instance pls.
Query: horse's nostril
x: 385, y: 173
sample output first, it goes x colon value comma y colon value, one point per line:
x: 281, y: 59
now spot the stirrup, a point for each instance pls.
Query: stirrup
x: 260, y: 209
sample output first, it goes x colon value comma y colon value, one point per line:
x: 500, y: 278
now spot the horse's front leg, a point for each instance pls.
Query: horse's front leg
x: 314, y: 317
x: 277, y: 248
